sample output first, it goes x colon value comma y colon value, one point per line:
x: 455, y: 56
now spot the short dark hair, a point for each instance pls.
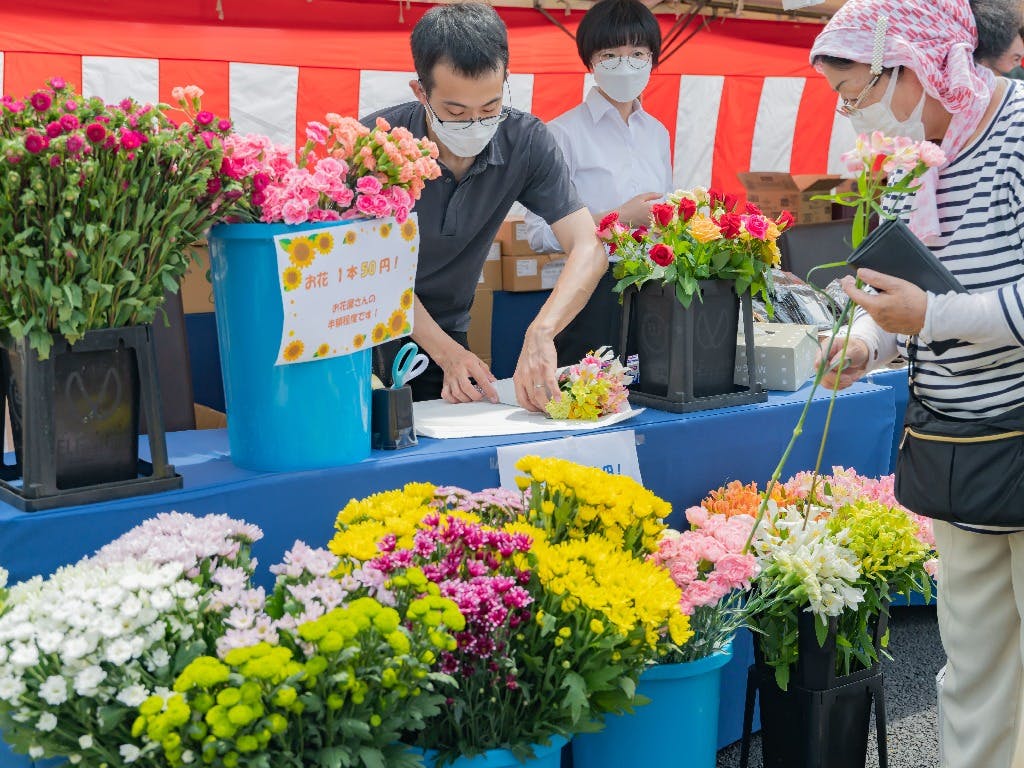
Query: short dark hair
x: 833, y: 61
x: 470, y: 37
x: 612, y: 23
x: 999, y: 24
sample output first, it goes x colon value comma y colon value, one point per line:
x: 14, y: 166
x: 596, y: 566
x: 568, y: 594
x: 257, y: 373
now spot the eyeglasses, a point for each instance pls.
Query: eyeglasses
x: 849, y: 108
x: 636, y: 60
x: 488, y: 121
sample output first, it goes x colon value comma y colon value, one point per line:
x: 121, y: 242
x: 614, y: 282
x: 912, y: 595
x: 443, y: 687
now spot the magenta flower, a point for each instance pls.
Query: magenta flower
x: 205, y: 117
x: 95, y: 132
x: 70, y: 105
x: 75, y: 144
x: 54, y: 161
x: 54, y: 129
x: 40, y: 101
x: 224, y: 125
x: 131, y: 139
x: 213, y: 186
x: 35, y: 143
x: 68, y: 122
x: 294, y: 212
x: 369, y: 185
x: 58, y: 83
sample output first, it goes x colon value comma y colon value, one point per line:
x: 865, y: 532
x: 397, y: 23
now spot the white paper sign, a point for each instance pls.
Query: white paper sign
x: 346, y: 288
x: 614, y: 452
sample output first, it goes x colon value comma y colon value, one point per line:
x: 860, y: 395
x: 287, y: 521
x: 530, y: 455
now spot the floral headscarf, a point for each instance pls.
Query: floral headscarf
x: 936, y: 40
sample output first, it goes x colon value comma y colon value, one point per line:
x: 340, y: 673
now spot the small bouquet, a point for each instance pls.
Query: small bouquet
x: 594, y: 387
x: 697, y: 235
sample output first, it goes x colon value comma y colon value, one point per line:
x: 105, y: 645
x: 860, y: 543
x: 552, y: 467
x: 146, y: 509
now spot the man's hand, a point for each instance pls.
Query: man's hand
x: 459, y: 367
x: 899, y: 306
x: 535, y: 372
x: 854, y: 366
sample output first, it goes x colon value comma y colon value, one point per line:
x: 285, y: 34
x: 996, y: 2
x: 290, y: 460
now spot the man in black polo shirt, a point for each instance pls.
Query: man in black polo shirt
x: 491, y: 156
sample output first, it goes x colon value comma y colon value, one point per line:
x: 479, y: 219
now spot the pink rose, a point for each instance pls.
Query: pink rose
x: 369, y: 185
x: 294, y: 212
x: 756, y: 225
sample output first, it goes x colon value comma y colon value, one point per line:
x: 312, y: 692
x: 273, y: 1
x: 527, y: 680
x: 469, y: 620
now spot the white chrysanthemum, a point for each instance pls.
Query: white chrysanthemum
x: 11, y: 688
x: 160, y: 658
x: 54, y: 691
x: 36, y: 752
x: 24, y: 655
x: 133, y: 695
x: 46, y: 722
x: 75, y: 759
x: 85, y: 742
x: 119, y: 652
x: 129, y: 753
x: 87, y: 682
x: 3, y: 577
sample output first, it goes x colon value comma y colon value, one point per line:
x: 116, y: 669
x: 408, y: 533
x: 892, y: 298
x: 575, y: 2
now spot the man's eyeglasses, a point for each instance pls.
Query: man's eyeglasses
x: 849, y: 108
x: 636, y: 60
x: 487, y: 121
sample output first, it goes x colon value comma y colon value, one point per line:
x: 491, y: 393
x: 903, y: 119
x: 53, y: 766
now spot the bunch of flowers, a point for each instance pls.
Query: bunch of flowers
x: 594, y: 387
x: 123, y: 192
x: 709, y: 564
x: 570, y: 501
x: 341, y: 689
x: 735, y: 498
x: 364, y: 523
x: 82, y: 649
x: 344, y: 171
x: 697, y: 235
x: 494, y: 506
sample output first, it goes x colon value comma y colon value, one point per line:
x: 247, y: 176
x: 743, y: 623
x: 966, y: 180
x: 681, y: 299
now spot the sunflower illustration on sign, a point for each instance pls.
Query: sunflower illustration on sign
x: 322, y: 350
x: 324, y: 242
x: 350, y: 237
x: 379, y: 333
x: 358, y: 340
x: 397, y: 323
x: 385, y: 230
x: 407, y: 299
x: 408, y: 229
x: 301, y: 251
x: 291, y: 278
x: 294, y: 350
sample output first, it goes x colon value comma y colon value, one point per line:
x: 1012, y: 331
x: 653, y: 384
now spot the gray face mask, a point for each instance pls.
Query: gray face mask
x: 880, y: 117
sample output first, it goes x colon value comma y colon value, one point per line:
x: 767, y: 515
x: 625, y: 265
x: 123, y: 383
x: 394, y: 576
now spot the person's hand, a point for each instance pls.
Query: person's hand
x: 461, y: 369
x: 637, y: 210
x: 535, y: 378
x: 898, y: 307
x: 854, y: 366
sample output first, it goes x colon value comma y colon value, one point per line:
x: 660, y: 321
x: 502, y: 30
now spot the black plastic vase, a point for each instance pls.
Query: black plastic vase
x: 75, y: 420
x: 687, y: 355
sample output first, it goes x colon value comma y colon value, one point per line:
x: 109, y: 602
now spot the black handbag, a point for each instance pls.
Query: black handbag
x: 961, y: 470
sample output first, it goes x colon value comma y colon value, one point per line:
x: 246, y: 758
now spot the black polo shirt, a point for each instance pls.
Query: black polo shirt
x: 459, y: 220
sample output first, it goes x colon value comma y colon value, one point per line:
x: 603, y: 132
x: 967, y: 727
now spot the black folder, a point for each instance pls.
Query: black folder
x: 893, y: 249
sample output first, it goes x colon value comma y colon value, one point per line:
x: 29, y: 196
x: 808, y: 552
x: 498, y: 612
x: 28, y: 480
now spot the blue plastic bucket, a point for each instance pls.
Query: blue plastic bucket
x: 544, y: 757
x: 288, y: 417
x: 677, y: 729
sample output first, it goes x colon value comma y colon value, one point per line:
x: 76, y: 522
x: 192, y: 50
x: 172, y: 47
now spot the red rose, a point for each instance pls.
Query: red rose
x: 731, y: 201
x: 662, y: 255
x: 785, y: 220
x: 753, y: 210
x: 663, y: 214
x: 715, y: 197
x: 639, y: 234
x: 730, y: 224
x: 608, y: 220
x: 612, y: 248
x: 687, y: 208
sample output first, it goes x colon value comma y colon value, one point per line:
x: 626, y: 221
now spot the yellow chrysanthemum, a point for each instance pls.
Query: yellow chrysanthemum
x: 408, y: 229
x: 291, y: 278
x: 324, y: 242
x: 704, y: 230
x: 406, y: 301
x: 302, y: 252
x: 397, y: 322
x: 294, y: 350
x: 362, y: 524
x: 379, y: 333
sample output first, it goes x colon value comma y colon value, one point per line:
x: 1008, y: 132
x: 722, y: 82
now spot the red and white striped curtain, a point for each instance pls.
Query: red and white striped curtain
x: 739, y: 96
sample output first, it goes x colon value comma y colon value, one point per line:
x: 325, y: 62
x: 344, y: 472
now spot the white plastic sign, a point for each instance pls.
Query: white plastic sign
x: 614, y: 452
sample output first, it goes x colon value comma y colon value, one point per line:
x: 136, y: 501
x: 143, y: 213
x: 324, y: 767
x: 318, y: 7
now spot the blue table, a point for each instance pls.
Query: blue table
x: 681, y: 458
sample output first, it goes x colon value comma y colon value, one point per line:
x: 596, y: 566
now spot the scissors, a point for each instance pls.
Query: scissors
x: 409, y: 363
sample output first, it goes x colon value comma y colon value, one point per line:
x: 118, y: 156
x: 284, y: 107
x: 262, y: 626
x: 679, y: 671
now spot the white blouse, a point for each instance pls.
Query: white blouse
x: 610, y: 160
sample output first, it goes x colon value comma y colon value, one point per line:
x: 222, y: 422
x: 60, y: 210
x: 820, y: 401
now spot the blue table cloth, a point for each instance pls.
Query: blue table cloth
x: 682, y: 457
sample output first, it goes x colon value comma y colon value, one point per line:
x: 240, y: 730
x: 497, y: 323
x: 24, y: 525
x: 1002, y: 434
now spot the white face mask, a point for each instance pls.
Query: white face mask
x: 879, y: 117
x: 621, y: 80
x: 463, y: 142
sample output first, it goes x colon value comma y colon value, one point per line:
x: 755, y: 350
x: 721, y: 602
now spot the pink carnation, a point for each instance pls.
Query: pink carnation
x: 369, y: 185
x: 318, y: 133
x: 178, y: 93
x: 931, y: 154
x: 294, y: 212
x: 373, y: 205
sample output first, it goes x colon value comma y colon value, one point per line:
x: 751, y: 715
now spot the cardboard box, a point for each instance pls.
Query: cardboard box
x: 512, y: 236
x: 490, y: 276
x: 536, y: 272
x: 196, y: 290
x: 480, y: 324
x: 783, y: 354
x: 775, y: 192
x: 207, y: 418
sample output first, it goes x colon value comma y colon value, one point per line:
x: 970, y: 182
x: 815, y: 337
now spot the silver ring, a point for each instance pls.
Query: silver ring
x: 538, y: 386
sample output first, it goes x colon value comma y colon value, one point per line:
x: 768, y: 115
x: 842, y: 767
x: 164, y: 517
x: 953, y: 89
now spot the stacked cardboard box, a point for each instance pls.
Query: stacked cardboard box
x: 522, y: 269
x: 775, y: 192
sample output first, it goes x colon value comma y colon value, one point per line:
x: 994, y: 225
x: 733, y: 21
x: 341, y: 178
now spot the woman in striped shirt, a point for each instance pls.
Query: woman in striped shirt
x: 905, y: 67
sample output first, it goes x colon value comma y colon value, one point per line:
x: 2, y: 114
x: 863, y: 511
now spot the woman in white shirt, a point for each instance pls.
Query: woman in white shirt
x: 618, y: 154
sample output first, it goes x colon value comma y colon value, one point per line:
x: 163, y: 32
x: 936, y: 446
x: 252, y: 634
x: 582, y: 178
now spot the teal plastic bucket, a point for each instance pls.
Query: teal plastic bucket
x: 677, y: 729
x: 288, y: 417
x: 549, y: 756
